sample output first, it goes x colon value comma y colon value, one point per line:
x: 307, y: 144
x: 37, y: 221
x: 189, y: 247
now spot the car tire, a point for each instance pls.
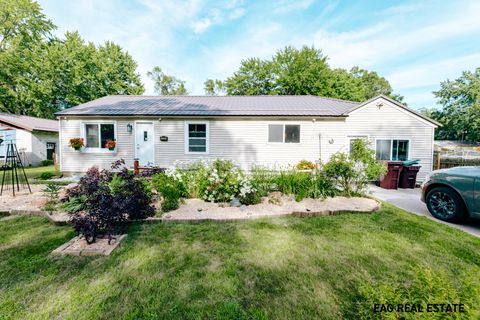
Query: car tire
x: 445, y: 204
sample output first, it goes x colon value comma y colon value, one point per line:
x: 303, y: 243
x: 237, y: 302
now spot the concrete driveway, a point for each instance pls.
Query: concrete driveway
x: 409, y: 200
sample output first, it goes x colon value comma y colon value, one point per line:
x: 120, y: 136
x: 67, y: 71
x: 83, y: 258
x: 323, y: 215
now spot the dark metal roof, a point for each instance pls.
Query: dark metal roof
x: 212, y: 106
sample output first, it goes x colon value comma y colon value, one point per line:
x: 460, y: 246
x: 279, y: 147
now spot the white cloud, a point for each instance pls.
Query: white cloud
x: 229, y: 11
x: 236, y: 13
x: 387, y: 40
x: 201, y: 25
x: 430, y: 74
x: 287, y: 6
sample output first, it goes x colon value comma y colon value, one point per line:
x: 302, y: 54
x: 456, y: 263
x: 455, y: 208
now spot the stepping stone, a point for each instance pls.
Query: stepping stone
x: 79, y: 247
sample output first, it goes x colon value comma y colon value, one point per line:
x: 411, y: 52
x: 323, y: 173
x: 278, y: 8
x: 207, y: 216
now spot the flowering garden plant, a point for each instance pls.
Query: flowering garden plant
x: 215, y: 181
x: 110, y: 144
x: 76, y: 143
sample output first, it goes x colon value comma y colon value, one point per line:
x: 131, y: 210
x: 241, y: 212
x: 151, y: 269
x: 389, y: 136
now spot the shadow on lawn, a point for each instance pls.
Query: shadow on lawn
x: 270, y: 268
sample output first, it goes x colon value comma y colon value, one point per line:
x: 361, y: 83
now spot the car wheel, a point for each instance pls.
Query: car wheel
x: 445, y: 204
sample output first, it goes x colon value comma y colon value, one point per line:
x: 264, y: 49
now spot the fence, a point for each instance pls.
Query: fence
x: 456, y: 157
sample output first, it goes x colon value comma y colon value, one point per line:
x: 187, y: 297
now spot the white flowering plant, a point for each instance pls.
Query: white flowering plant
x: 226, y: 182
x: 215, y: 181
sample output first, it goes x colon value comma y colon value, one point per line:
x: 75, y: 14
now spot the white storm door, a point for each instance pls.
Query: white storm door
x: 144, y: 143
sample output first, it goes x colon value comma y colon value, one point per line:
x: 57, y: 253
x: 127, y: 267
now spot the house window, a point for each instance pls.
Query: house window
x: 352, y: 139
x: 196, y: 137
x: 97, y: 134
x: 400, y: 150
x: 389, y: 149
x: 288, y: 133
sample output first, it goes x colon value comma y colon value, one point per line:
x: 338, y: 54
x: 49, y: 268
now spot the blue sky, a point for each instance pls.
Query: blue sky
x: 414, y: 44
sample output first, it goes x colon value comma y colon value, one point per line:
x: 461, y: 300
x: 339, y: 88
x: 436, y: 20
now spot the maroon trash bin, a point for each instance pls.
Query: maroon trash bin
x: 408, y: 177
x: 391, y: 178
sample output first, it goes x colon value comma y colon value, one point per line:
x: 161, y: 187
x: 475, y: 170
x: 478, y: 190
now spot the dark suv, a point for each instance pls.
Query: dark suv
x: 453, y: 194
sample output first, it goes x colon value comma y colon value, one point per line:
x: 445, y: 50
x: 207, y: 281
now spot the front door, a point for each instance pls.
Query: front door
x: 144, y: 141
x: 50, y: 150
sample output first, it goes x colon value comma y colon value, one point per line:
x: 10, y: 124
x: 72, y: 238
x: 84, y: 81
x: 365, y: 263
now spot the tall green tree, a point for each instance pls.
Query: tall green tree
x: 460, y: 113
x: 165, y: 84
x: 23, y: 28
x: 41, y: 74
x: 374, y: 85
x: 213, y: 87
x: 302, y: 71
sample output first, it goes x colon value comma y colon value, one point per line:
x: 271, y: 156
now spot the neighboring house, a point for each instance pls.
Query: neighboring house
x: 36, y: 138
x: 251, y: 130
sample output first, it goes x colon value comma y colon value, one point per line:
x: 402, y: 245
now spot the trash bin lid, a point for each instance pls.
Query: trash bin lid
x: 411, y: 162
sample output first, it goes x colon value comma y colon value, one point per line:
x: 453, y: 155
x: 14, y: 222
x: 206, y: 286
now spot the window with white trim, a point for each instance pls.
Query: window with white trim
x: 196, y: 137
x: 392, y: 149
x: 97, y: 134
x: 352, y: 139
x: 284, y: 133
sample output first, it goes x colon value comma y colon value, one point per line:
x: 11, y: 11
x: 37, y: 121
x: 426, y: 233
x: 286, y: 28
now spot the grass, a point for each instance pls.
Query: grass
x: 284, y: 268
x: 33, y: 174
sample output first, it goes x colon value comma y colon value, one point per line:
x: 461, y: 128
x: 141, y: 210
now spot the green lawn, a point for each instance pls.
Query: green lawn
x: 284, y: 268
x: 33, y: 174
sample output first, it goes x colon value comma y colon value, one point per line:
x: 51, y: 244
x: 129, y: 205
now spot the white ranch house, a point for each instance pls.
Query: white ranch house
x: 251, y: 130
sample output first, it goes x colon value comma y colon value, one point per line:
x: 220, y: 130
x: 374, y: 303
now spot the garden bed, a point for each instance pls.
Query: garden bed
x: 23, y: 202
x: 79, y: 247
x: 274, y: 205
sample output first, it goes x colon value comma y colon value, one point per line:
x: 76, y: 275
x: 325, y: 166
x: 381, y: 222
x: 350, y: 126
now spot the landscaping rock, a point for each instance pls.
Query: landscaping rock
x: 61, y: 194
x: 59, y: 218
x: 235, y: 202
x: 307, y: 207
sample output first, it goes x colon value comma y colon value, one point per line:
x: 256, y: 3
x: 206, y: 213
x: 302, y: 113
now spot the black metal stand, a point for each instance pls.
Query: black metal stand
x: 11, y: 175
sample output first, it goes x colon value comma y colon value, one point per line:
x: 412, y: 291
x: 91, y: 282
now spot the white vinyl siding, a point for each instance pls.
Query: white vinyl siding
x: 246, y: 140
x: 390, y: 122
x: 79, y: 161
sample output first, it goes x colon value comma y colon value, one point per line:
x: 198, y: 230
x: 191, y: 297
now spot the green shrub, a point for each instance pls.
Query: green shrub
x: 363, y: 153
x: 51, y: 192
x: 191, y: 181
x: 313, y: 184
x: 103, y: 200
x: 216, y: 181
x: 224, y: 181
x: 50, y: 206
x: 348, y: 175
x: 305, y: 184
x: 351, y: 173
x: 263, y: 180
x: 294, y: 183
x: 47, y: 175
x: 305, y: 165
x: 171, y: 198
x: 321, y: 186
x: 75, y: 204
x: 47, y: 163
x: 169, y: 189
x: 251, y: 198
x: 428, y: 287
